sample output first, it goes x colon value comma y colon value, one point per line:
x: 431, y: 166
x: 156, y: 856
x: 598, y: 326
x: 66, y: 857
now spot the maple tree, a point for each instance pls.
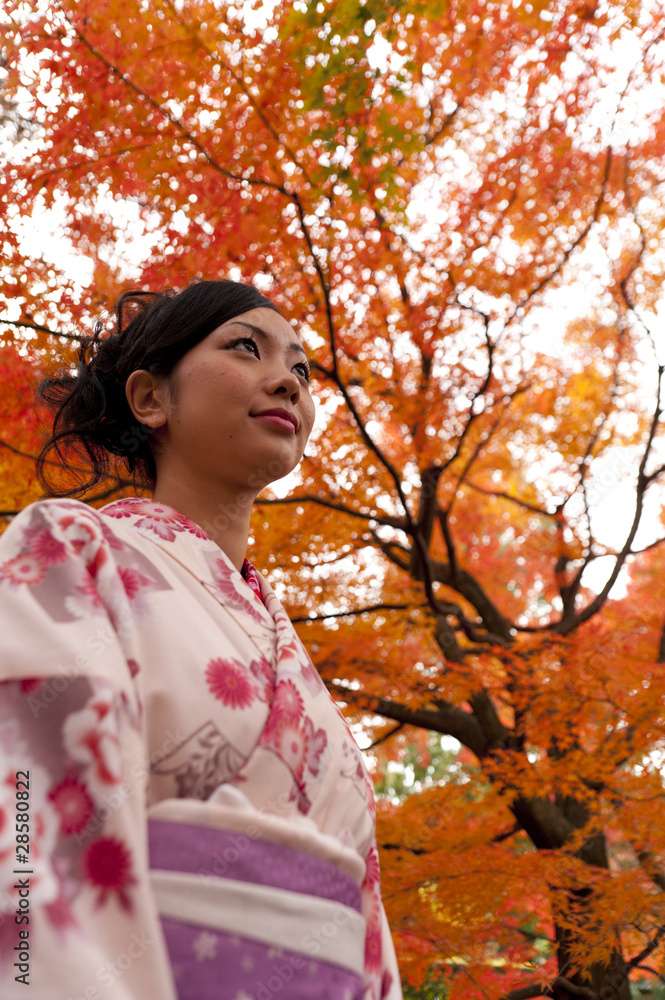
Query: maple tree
x: 461, y: 206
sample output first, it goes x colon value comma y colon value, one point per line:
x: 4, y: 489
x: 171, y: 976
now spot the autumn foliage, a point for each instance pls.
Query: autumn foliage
x: 461, y: 205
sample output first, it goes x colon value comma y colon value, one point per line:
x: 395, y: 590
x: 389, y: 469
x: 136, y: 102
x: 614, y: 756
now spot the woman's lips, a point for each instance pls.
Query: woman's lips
x: 278, y: 421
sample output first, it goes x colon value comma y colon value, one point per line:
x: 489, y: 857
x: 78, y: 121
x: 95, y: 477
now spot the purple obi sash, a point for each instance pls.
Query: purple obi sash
x: 248, y: 919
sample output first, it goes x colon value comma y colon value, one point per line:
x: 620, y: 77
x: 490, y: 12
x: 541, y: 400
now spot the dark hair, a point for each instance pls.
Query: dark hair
x: 153, y: 331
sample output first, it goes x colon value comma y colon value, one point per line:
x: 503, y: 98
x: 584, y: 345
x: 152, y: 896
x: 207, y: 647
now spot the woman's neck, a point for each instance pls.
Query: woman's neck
x: 222, y: 513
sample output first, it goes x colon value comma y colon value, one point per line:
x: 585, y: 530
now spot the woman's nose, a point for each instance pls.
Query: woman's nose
x: 286, y: 384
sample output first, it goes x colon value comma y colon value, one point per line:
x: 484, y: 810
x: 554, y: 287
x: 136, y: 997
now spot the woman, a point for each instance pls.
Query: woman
x: 200, y: 822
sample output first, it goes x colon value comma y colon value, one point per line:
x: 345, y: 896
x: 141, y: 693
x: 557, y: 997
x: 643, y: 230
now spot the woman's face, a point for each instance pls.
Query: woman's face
x: 239, y: 408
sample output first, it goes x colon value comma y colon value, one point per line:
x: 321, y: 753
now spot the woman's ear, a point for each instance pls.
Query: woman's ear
x: 146, y: 396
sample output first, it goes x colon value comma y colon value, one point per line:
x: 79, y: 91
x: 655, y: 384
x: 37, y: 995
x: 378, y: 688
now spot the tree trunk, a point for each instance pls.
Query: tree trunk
x: 607, y: 982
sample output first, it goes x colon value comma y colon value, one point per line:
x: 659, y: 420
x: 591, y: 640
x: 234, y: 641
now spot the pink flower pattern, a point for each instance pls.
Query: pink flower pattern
x: 224, y: 587
x: 252, y: 578
x: 289, y: 739
x: 286, y: 702
x: 291, y: 734
x: 84, y: 600
x: 162, y: 520
x: 72, y: 804
x: 229, y: 682
x: 317, y: 743
x: 90, y: 736
x: 73, y: 551
x: 107, y: 864
x: 80, y: 535
x: 25, y: 569
x: 49, y: 551
x: 64, y: 810
x: 264, y: 676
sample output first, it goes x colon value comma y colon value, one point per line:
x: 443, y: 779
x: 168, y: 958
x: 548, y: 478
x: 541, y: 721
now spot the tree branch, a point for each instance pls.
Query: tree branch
x: 37, y: 326
x: 357, y: 611
x: 242, y: 86
x: 573, y: 619
x: 579, y: 239
x: 445, y: 719
x: 186, y: 134
x: 651, y: 947
x: 385, y: 519
x: 507, y: 496
x: 498, y: 627
x: 386, y: 736
x: 526, y: 992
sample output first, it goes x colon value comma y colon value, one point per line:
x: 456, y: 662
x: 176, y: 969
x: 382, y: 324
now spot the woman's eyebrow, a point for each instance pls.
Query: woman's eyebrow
x: 293, y: 346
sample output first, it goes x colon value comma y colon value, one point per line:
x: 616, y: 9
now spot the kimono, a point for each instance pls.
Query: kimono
x: 184, y: 813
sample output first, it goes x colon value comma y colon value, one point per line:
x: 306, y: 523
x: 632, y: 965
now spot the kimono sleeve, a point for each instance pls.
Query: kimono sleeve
x: 77, y: 915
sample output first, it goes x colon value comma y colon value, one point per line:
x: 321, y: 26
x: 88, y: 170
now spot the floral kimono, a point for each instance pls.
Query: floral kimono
x: 194, y: 819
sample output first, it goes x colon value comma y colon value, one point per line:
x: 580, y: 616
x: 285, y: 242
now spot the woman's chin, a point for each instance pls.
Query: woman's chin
x: 270, y: 467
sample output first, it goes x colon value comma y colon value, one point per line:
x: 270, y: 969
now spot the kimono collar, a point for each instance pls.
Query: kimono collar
x: 183, y: 539
x: 263, y: 618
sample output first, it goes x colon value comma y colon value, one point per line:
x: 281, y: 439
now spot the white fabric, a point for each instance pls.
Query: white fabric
x: 317, y: 928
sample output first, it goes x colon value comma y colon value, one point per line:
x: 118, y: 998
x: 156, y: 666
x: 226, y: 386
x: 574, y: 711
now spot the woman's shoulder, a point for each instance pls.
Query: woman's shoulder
x: 52, y: 523
x: 66, y: 511
x: 52, y: 510
x: 64, y: 543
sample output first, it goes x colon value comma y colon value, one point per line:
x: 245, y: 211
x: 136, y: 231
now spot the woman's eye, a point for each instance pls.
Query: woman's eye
x: 246, y: 341
x: 304, y: 370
